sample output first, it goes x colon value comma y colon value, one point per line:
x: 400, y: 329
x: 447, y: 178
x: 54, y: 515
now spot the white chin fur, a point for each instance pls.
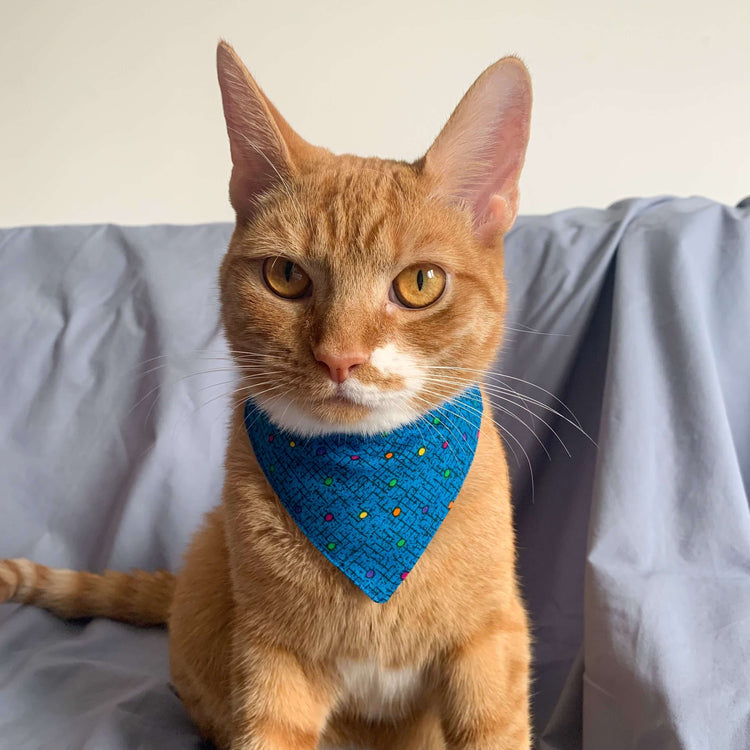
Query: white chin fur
x: 385, y: 417
x: 389, y: 409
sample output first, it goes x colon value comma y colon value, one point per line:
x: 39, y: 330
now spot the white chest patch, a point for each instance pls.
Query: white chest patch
x: 374, y: 692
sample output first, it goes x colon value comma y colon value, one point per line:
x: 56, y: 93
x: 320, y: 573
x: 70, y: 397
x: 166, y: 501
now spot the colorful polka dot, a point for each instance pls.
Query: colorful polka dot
x: 447, y: 473
x: 270, y: 438
x: 404, y: 574
x: 329, y: 516
x: 272, y: 468
x: 331, y: 545
x: 464, y: 436
x: 436, y: 420
x: 370, y: 573
x: 328, y: 481
x: 363, y: 514
x: 298, y: 509
x: 401, y: 542
x: 354, y: 458
x: 450, y: 504
x: 321, y: 451
x: 389, y: 455
x: 397, y: 512
x: 420, y: 452
x: 426, y: 509
x: 292, y: 443
x: 445, y: 444
x: 393, y: 483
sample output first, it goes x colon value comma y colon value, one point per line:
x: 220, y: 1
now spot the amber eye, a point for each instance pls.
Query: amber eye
x: 419, y: 285
x: 285, y: 278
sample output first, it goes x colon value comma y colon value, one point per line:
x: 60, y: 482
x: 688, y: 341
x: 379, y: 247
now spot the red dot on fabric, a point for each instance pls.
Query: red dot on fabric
x: 270, y: 438
x: 355, y: 458
x: 404, y: 574
x: 329, y: 516
x: 445, y: 444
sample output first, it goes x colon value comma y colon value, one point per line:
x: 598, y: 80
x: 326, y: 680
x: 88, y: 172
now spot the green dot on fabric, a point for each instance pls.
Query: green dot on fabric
x: 392, y: 483
x: 447, y: 473
x: 331, y: 545
x: 328, y: 481
x: 401, y: 542
x: 272, y: 468
x: 436, y: 420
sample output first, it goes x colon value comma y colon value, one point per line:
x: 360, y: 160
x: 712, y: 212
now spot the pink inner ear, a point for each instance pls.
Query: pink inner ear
x: 260, y: 157
x: 477, y: 158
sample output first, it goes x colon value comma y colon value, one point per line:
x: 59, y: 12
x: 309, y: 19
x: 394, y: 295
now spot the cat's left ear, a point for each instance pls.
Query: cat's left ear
x: 477, y: 158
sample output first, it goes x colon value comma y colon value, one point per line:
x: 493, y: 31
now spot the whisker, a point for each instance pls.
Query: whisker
x: 514, y: 416
x: 528, y: 427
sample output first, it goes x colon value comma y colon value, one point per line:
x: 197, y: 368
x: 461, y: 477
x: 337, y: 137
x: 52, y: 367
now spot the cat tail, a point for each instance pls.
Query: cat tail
x: 137, y: 597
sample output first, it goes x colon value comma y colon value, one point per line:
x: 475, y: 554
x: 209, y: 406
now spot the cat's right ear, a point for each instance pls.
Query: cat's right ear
x: 265, y: 150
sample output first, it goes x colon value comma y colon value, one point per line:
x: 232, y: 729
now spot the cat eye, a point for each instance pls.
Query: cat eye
x: 285, y: 278
x: 419, y: 285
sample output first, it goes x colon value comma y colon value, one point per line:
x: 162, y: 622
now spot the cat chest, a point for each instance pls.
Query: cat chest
x: 376, y: 692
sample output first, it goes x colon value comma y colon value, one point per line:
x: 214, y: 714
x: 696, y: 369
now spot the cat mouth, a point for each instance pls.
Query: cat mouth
x: 343, y: 397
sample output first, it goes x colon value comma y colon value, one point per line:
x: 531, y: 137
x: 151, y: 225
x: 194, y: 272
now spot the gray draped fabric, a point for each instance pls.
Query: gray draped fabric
x: 631, y: 325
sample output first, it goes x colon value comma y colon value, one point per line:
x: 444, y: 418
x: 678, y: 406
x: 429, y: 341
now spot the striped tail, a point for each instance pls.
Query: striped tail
x: 137, y: 597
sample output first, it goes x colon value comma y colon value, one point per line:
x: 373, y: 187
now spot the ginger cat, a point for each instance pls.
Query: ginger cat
x: 357, y: 294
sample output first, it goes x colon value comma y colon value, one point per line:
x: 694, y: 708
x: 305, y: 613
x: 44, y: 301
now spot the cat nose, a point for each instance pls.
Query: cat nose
x: 340, y: 366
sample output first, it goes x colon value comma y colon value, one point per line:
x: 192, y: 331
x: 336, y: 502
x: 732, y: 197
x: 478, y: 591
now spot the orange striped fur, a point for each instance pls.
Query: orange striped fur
x: 271, y: 647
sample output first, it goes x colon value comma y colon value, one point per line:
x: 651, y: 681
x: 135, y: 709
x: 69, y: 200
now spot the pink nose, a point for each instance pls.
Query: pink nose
x: 340, y: 366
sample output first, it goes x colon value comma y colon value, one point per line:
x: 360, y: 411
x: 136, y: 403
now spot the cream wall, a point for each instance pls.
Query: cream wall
x: 111, y: 112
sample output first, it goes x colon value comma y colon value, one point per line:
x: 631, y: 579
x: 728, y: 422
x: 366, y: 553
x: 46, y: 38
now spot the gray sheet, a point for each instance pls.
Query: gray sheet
x: 635, y: 558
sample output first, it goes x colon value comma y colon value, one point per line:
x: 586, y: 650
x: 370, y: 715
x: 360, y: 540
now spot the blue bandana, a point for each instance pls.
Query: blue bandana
x: 371, y: 505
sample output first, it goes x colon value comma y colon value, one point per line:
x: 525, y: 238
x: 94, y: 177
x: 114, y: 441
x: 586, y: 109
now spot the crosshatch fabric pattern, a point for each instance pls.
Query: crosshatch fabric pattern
x: 371, y: 505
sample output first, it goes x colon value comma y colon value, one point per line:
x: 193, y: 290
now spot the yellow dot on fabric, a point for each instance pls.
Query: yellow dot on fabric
x: 389, y: 455
x: 397, y: 511
x: 292, y: 443
x: 421, y: 451
x: 363, y: 514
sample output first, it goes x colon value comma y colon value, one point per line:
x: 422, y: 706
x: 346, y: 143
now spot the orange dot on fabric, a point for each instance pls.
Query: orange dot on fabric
x: 450, y: 504
x: 397, y: 511
x: 389, y: 455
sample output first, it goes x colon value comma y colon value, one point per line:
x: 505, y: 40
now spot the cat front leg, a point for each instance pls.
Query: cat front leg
x: 278, y: 703
x: 485, y: 691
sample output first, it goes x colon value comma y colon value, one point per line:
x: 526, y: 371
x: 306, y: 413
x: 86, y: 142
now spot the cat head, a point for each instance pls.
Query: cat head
x: 359, y: 293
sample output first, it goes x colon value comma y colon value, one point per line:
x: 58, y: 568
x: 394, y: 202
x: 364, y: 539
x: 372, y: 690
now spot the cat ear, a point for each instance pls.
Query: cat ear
x: 265, y: 150
x: 477, y: 158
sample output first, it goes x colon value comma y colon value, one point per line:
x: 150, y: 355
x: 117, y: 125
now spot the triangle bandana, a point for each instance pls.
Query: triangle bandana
x: 371, y: 504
